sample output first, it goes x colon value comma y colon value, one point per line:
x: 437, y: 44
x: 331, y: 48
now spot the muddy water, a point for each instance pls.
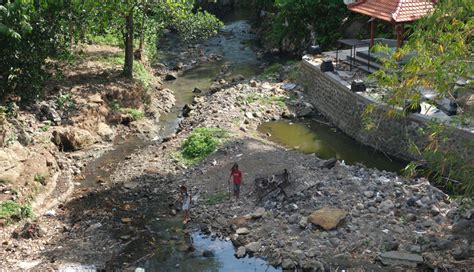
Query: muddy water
x: 313, y: 137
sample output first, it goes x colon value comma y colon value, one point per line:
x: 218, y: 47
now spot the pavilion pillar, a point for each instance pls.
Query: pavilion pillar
x: 372, y: 31
x: 399, y: 30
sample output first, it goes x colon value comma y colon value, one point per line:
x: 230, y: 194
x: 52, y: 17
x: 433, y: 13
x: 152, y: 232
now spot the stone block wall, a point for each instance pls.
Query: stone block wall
x: 333, y: 98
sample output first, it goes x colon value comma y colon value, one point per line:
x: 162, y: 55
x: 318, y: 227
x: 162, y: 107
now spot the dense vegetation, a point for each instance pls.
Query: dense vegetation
x: 32, y: 33
x: 295, y: 25
x: 444, y: 49
x: 200, y: 143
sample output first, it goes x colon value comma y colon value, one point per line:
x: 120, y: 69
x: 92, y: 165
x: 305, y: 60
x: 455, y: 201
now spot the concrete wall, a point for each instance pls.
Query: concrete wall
x: 333, y: 98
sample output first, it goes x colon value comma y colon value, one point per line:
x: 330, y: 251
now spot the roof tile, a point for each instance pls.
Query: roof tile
x: 394, y: 10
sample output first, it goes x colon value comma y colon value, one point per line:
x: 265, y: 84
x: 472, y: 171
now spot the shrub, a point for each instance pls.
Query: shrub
x: 13, y: 211
x: 201, y: 143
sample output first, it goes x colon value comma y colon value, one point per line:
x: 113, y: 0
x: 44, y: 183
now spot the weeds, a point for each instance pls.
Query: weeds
x: 200, y: 143
x: 217, y: 198
x: 12, y: 211
x: 135, y: 114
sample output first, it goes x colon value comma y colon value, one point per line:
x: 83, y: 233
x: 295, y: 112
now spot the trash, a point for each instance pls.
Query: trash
x: 126, y: 220
x: 50, y: 213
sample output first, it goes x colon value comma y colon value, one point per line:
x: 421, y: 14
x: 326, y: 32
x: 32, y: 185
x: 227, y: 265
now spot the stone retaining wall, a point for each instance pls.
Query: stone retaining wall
x: 333, y: 98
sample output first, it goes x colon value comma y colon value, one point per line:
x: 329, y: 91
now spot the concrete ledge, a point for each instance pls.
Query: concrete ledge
x: 333, y: 98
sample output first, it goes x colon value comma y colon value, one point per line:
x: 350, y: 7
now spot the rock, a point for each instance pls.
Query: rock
x: 329, y: 164
x: 170, y: 76
x: 304, y: 109
x: 400, y: 258
x: 460, y: 254
x: 253, y: 247
x: 294, y: 218
x: 28, y: 231
x: 328, y: 218
x: 249, y: 115
x: 72, y: 139
x: 386, y: 205
x: 415, y: 249
x: 187, y: 109
x: 428, y: 223
x: 411, y: 202
x: 303, y: 222
x: 288, y: 86
x: 313, y: 266
x: 287, y: 264
x: 208, y: 253
x: 241, y: 252
x: 434, y: 210
x: 105, y: 132
x: 242, y: 231
x: 391, y: 245
x: 259, y: 212
x: 47, y: 111
x: 369, y: 194
x: 95, y: 98
x: 197, y: 90
x: 253, y: 83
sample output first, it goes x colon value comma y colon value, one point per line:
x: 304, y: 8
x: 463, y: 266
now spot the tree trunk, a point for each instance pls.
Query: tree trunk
x: 128, y: 39
x: 141, y: 44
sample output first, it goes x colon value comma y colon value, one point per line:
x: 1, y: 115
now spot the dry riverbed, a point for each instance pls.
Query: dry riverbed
x: 320, y: 215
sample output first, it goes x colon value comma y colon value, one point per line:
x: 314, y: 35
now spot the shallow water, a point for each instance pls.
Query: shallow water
x: 313, y: 137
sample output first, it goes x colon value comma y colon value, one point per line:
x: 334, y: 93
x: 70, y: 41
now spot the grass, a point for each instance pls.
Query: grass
x: 253, y: 97
x: 140, y: 72
x: 12, y: 211
x: 200, y: 143
x: 106, y: 39
x: 135, y: 114
x: 217, y: 198
x: 40, y: 178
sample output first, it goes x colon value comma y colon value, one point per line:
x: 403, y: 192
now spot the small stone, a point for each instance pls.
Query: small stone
x: 303, y: 222
x: 241, y: 252
x: 253, y: 246
x: 434, y: 210
x: 259, y: 212
x: 415, y: 249
x: 369, y: 194
x: 428, y: 223
x: 411, y: 202
x: 287, y: 264
x: 208, y: 253
x: 253, y: 83
x: 242, y: 231
x: 400, y: 258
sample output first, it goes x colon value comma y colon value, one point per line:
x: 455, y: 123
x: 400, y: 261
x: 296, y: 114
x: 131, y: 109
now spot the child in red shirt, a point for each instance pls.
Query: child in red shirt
x: 236, y: 176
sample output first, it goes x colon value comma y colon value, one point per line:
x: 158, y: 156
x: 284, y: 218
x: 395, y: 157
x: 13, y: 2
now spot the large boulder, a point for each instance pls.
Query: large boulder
x: 105, y: 132
x: 11, y: 162
x: 328, y: 218
x: 72, y: 139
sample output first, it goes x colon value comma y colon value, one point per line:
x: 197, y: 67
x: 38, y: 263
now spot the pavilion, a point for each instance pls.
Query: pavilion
x: 396, y: 12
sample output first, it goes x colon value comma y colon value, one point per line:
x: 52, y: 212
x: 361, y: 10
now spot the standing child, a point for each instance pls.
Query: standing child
x: 186, y: 199
x: 236, y: 176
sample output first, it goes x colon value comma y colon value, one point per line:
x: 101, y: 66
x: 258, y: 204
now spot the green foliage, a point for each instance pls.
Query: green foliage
x: 295, y: 20
x: 216, y: 198
x: 440, y: 51
x: 135, y: 114
x: 40, y: 178
x: 202, y: 142
x: 255, y: 97
x: 29, y: 35
x: 12, y: 211
x: 192, y: 26
x: 64, y: 101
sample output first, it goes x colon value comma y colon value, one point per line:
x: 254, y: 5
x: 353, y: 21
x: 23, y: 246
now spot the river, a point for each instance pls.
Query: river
x: 182, y: 249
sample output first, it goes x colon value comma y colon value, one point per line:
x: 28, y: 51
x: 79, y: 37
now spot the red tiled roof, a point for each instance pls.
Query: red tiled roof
x: 394, y: 10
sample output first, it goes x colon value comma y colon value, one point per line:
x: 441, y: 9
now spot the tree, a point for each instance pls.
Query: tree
x: 441, y: 52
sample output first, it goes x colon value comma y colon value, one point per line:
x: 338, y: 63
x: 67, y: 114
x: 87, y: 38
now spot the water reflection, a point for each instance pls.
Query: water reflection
x: 310, y: 136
